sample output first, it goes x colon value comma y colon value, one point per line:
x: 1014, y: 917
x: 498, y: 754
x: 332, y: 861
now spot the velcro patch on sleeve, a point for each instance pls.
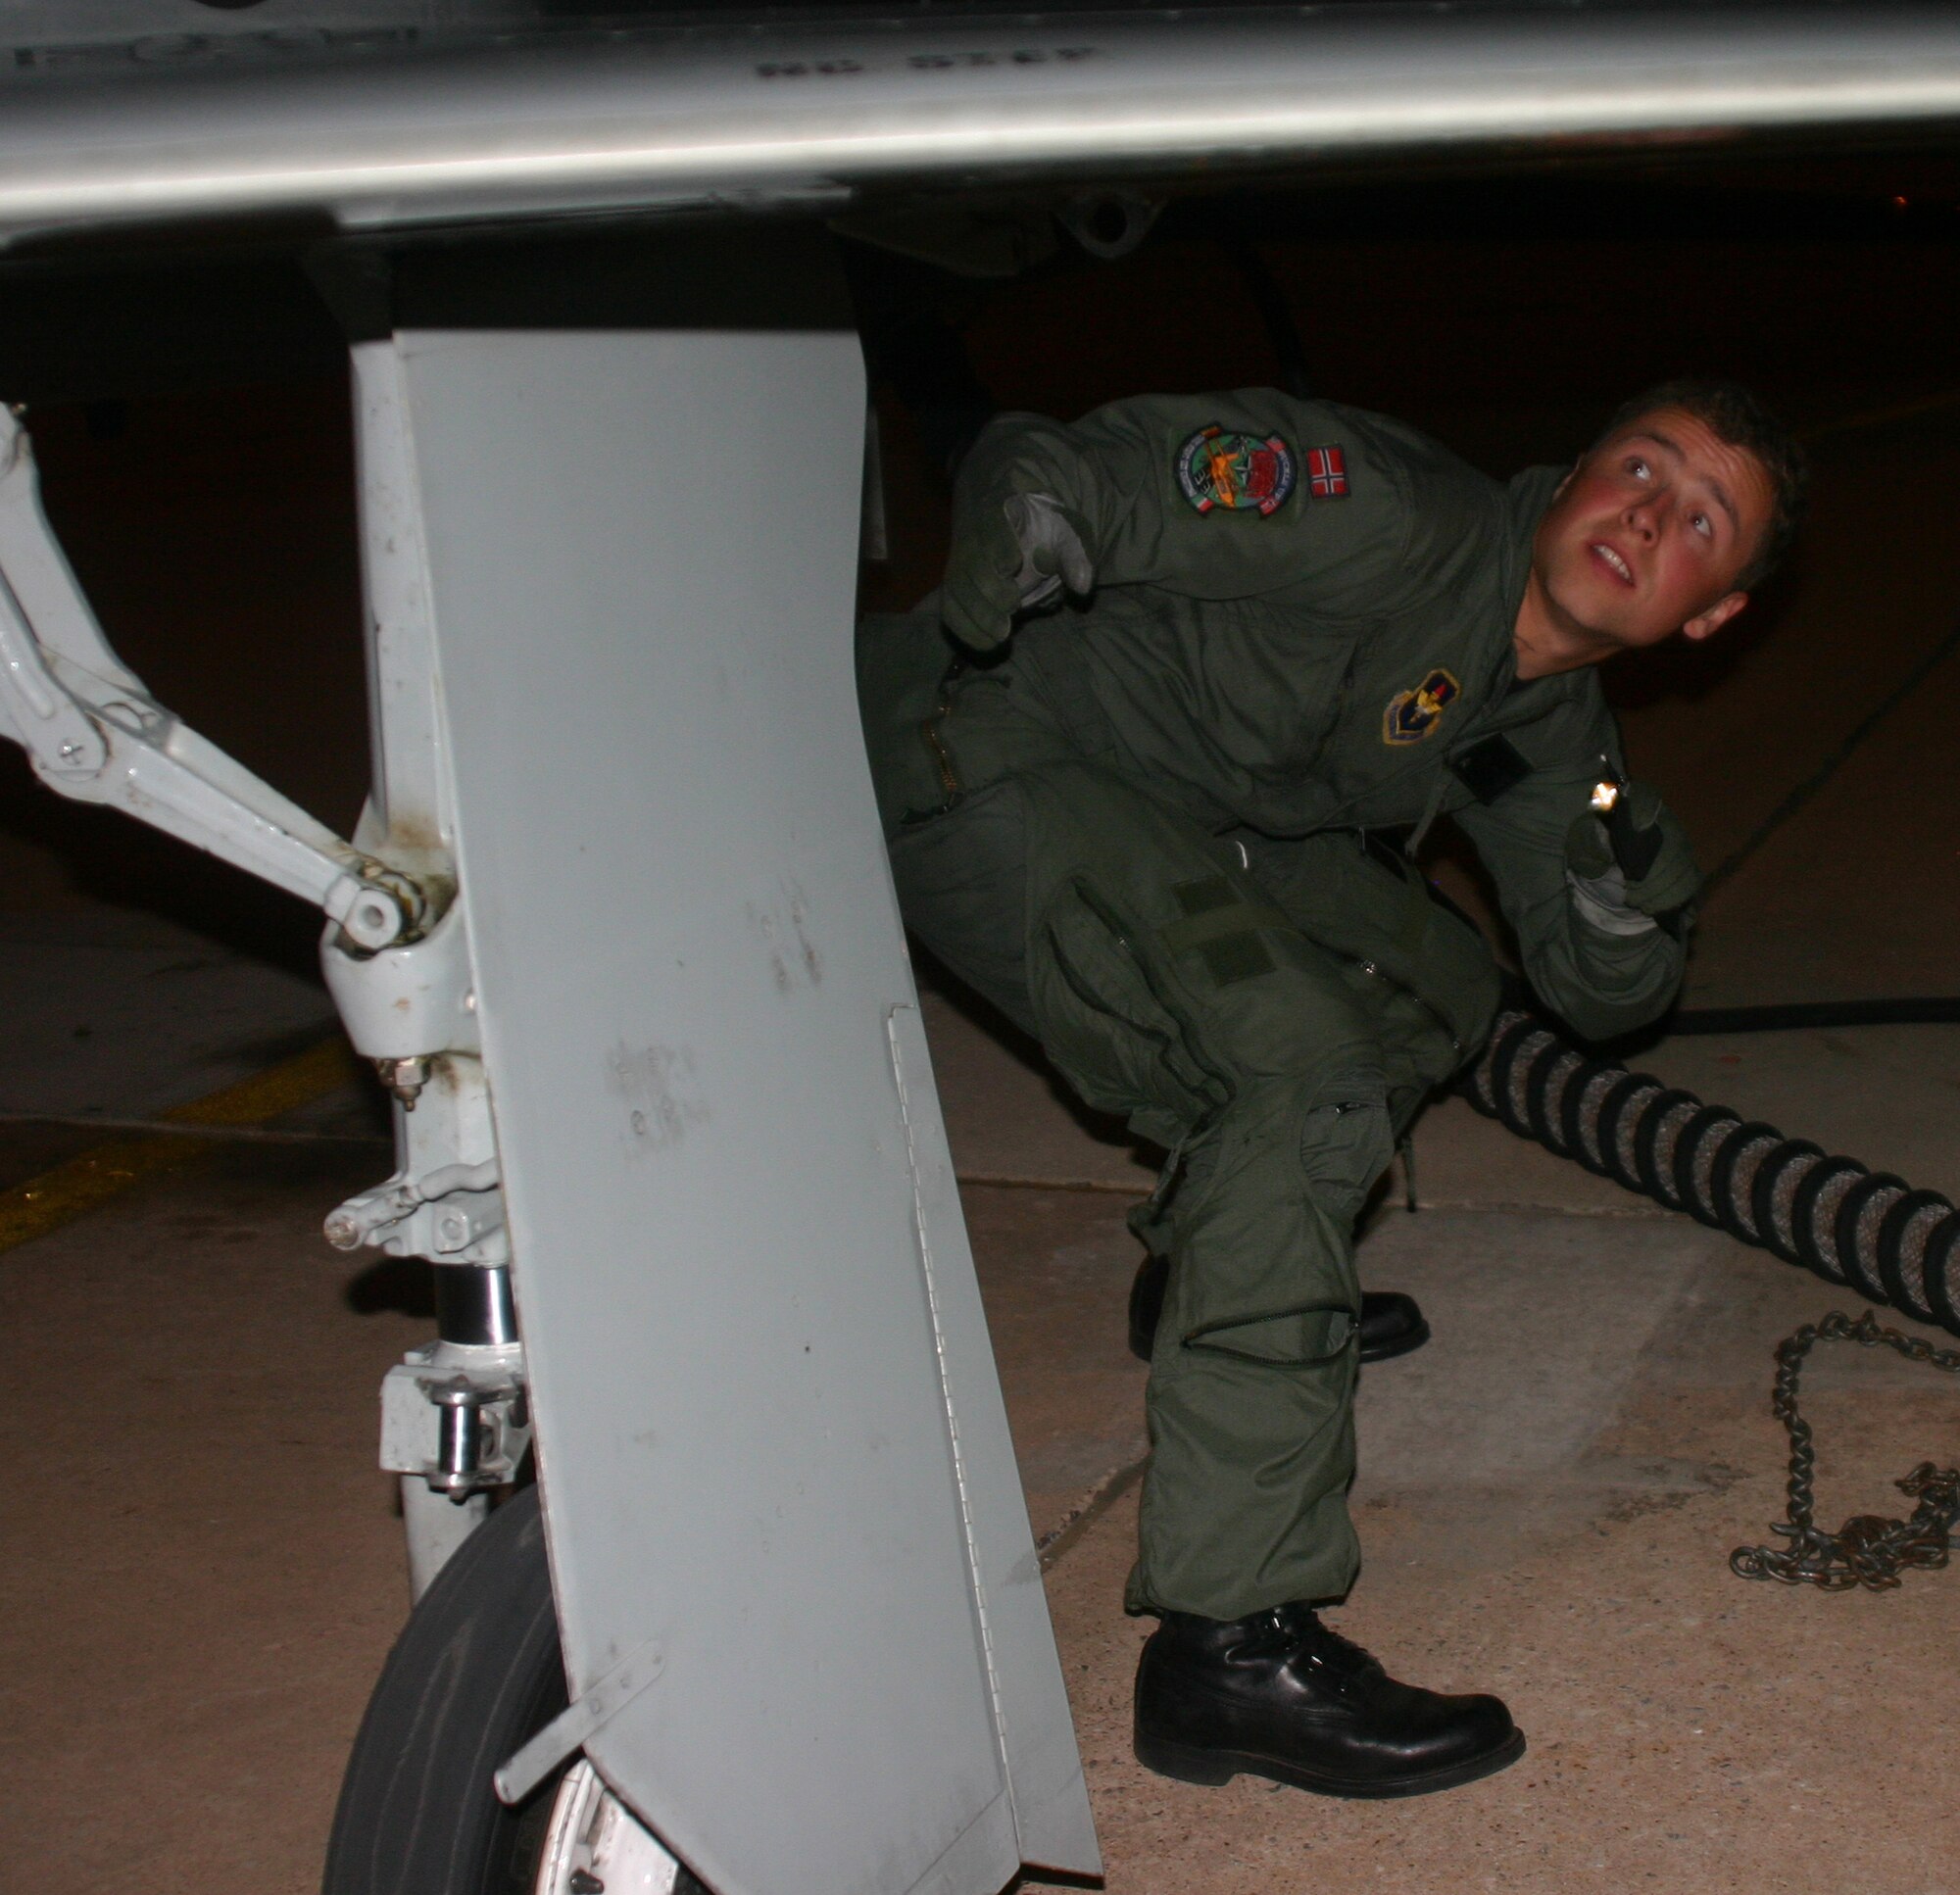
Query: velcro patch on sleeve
x: 1239, y: 473
x: 1327, y: 473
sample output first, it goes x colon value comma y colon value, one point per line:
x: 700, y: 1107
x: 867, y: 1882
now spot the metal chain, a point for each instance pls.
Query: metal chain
x: 1868, y: 1550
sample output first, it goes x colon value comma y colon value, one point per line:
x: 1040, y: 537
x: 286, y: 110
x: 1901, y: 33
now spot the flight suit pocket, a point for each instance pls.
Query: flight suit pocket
x: 1344, y: 1145
x: 1108, y: 1027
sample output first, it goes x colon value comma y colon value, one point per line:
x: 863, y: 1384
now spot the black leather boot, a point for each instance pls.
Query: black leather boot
x: 1392, y: 1322
x: 1279, y: 1695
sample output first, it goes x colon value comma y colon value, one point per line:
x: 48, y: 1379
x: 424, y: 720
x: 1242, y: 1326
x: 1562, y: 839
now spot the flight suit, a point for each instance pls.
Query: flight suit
x: 1158, y: 833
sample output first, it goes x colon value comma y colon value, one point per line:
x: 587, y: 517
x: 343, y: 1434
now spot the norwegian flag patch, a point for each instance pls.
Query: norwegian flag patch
x: 1327, y: 473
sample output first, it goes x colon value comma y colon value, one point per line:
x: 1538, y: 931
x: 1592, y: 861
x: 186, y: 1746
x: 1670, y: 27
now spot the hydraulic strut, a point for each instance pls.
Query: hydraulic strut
x: 1862, y: 1230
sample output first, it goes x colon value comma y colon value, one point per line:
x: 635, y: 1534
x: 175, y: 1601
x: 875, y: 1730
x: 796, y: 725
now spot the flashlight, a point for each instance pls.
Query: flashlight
x: 1633, y: 849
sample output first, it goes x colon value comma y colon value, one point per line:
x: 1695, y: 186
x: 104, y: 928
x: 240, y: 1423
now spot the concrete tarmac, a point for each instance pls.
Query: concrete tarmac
x: 203, y: 1567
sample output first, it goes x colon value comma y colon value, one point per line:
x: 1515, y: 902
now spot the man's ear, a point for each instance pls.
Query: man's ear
x: 1707, y: 623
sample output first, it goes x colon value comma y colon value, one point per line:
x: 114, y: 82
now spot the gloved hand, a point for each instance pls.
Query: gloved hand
x: 1009, y: 556
x: 1649, y: 834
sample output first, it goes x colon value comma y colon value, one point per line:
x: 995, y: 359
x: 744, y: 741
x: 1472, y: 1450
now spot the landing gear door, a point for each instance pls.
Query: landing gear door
x: 792, y: 1564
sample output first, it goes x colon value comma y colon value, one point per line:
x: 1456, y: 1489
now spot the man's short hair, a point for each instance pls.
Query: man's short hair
x: 1737, y: 417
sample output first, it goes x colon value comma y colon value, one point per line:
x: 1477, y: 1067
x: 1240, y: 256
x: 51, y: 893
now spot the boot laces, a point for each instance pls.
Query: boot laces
x: 1321, y: 1646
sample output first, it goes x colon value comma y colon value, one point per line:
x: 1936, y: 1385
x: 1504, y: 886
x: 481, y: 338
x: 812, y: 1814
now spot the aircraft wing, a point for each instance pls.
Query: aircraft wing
x: 381, y: 117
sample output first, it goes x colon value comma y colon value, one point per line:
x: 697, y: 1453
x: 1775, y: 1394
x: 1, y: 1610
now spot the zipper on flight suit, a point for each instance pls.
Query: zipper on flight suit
x: 929, y: 734
x: 1373, y: 968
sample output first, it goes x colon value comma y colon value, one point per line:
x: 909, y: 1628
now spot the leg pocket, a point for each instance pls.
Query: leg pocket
x: 1105, y: 1024
x: 1345, y: 1144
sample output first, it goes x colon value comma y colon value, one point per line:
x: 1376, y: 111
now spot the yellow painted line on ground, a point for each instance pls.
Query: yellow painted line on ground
x: 284, y: 1087
x: 71, y: 1190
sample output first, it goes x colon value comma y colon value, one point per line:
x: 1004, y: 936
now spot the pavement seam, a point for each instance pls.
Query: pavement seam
x: 1801, y: 792
x: 78, y: 1185
x: 1067, y: 1533
x: 1009, y: 1181
x: 164, y: 1128
x: 1637, y: 1208
x: 1522, y: 1205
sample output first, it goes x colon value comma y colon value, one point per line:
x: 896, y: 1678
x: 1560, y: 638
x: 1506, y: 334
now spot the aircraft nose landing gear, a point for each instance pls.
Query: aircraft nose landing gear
x: 475, y: 1673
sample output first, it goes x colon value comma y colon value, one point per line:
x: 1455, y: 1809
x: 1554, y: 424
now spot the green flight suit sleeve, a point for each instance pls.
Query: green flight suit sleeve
x: 1602, y: 981
x: 1116, y: 471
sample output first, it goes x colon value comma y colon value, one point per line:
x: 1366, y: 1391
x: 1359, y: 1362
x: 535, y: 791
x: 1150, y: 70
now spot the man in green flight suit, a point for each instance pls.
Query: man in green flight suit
x: 1258, y: 645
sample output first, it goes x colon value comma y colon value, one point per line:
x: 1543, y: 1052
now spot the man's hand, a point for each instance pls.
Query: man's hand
x: 1009, y: 556
x: 1652, y: 841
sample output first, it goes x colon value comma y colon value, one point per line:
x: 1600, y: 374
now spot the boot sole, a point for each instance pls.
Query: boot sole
x: 1192, y: 1764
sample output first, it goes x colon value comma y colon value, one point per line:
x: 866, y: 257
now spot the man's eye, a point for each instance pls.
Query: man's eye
x: 1704, y: 526
x: 1637, y: 469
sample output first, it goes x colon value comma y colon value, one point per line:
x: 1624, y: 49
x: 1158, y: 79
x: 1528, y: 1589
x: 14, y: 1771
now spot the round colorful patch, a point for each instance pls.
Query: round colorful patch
x: 1238, y: 471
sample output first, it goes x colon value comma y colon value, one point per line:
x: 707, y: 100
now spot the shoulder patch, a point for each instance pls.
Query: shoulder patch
x: 1327, y: 473
x: 1412, y: 715
x: 1240, y: 473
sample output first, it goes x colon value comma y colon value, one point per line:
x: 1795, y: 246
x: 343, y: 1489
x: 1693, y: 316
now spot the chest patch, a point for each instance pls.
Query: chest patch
x: 1412, y: 714
x: 1240, y: 473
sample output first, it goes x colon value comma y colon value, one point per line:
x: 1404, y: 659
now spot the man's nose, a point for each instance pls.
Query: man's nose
x: 1645, y: 515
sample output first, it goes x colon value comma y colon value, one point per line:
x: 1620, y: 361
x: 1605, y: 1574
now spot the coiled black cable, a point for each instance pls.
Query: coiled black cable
x: 1859, y: 1230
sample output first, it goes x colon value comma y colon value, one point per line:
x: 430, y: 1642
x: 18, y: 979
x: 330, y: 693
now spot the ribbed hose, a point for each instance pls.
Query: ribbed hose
x: 1866, y: 1231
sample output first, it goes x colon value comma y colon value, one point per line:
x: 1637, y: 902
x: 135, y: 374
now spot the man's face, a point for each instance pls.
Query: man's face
x: 1650, y: 532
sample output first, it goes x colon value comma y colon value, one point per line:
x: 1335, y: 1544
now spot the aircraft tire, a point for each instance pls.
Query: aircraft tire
x: 476, y: 1671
